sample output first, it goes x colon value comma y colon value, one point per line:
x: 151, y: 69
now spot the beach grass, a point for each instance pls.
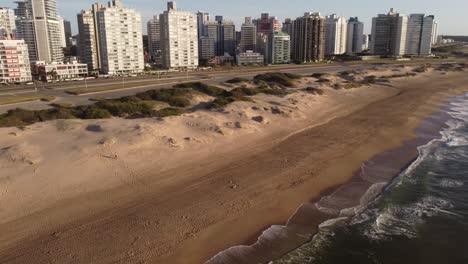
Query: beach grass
x: 25, y: 98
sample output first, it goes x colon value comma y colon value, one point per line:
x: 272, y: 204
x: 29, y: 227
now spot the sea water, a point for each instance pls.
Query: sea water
x: 421, y: 218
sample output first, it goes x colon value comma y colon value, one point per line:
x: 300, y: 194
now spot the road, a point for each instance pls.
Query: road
x: 130, y: 86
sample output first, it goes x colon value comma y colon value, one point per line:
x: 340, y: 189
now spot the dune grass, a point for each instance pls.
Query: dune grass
x: 26, y: 98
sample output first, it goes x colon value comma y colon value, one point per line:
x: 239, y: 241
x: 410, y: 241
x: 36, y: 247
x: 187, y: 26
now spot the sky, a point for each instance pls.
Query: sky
x: 451, y: 14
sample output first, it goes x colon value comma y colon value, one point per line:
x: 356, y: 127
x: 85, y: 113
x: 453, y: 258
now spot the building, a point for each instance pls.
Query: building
x: 355, y: 39
x: 7, y: 23
x: 14, y: 62
x: 308, y: 40
x: 154, y: 40
x: 365, y: 42
x: 120, y: 39
x: 228, y: 33
x: 419, y: 35
x: 207, y: 48
x: 281, y: 48
x: 267, y: 24
x: 389, y: 34
x: 336, y: 35
x: 63, y: 42
x: 38, y: 24
x: 68, y: 33
x: 202, y: 19
x: 88, y: 42
x: 248, y: 36
x: 59, y: 71
x: 179, y: 38
x: 435, y: 32
x: 250, y: 58
x: 213, y: 30
x: 287, y: 26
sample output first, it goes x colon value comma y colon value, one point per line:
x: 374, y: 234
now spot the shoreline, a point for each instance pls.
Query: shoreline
x: 310, y: 218
x: 248, y: 192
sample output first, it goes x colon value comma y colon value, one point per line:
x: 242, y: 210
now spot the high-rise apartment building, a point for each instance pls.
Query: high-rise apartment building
x: 89, y: 38
x: 14, y: 62
x: 281, y: 48
x: 308, y: 38
x: 228, y: 33
x: 179, y: 38
x: 288, y: 26
x: 202, y: 19
x: 248, y: 35
x: 213, y: 31
x: 38, y: 24
x: 389, y: 34
x: 63, y: 41
x: 154, y: 40
x: 68, y: 33
x: 336, y: 35
x: 419, y: 35
x: 207, y: 48
x: 120, y: 39
x: 7, y: 23
x: 267, y: 24
x: 435, y: 32
x: 355, y: 39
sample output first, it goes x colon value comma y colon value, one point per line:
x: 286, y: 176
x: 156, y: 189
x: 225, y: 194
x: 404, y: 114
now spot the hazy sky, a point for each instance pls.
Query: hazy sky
x: 451, y: 14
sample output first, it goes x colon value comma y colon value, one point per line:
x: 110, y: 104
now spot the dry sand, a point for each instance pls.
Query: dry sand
x: 182, y: 189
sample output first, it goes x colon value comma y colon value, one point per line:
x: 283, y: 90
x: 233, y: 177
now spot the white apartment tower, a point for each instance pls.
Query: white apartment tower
x: 435, y: 32
x: 355, y: 36
x: 120, y: 39
x: 335, y: 35
x: 154, y: 40
x: 63, y: 39
x: 389, y: 34
x: 7, y: 23
x: 14, y: 62
x: 179, y: 38
x: 419, y: 35
x: 281, y: 48
x: 89, y: 38
x: 38, y: 24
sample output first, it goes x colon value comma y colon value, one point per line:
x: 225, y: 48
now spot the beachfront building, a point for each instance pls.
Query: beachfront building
x: 154, y: 40
x: 120, y: 39
x: 308, y: 43
x: 248, y: 36
x: 435, y: 32
x: 89, y: 38
x: 250, y: 58
x: 419, y: 35
x: 14, y: 61
x: 37, y: 22
x: 389, y: 32
x: 207, y: 48
x: 355, y: 39
x: 7, y: 23
x: 179, y: 38
x: 335, y: 35
x: 59, y: 71
x: 281, y: 48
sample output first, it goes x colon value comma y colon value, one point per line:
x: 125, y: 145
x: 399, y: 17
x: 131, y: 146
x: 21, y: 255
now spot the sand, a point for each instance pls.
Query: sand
x: 182, y: 189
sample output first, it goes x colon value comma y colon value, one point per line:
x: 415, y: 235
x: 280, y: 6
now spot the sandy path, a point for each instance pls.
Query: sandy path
x: 187, y: 213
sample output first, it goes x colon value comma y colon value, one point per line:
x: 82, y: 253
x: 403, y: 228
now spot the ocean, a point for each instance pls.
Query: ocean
x: 422, y: 216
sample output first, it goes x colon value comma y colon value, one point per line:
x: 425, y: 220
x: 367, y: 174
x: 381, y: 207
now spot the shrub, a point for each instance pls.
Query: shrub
x: 174, y: 97
x: 237, y: 80
x: 95, y: 113
x: 210, y: 90
x: 169, y: 111
x: 221, y: 102
x: 284, y: 79
x: 121, y: 109
x: 318, y: 75
x: 314, y: 90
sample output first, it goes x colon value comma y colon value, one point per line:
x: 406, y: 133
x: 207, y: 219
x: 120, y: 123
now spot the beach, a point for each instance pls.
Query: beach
x: 183, y: 189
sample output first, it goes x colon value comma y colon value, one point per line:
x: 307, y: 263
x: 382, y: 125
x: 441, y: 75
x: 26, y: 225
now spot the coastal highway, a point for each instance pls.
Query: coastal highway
x: 129, y: 86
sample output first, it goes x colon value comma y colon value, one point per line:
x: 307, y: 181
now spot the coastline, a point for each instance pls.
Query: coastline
x: 289, y: 173
x: 344, y: 201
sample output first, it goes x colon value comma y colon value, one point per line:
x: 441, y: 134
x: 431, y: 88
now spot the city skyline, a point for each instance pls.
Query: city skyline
x: 446, y: 13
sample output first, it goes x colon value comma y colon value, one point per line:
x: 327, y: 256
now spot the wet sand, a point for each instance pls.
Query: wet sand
x: 227, y: 203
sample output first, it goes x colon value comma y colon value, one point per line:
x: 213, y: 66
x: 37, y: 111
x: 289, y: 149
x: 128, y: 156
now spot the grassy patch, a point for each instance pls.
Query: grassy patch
x: 237, y: 80
x: 90, y: 91
x: 26, y: 98
x: 283, y: 79
x: 314, y: 90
